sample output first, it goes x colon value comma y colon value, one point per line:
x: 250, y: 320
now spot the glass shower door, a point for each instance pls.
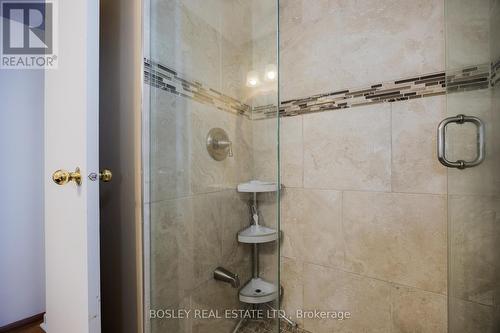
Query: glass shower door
x: 471, y: 133
x: 212, y: 125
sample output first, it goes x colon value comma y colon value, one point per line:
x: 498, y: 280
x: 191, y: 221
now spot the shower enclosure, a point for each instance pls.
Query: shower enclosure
x: 211, y: 156
x: 372, y: 223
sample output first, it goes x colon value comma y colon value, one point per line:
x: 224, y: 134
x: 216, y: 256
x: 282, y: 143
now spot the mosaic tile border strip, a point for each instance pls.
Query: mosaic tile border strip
x: 427, y: 85
x: 495, y: 75
x: 167, y: 79
x: 470, y: 78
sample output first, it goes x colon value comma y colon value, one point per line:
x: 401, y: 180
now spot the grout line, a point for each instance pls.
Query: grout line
x: 472, y: 302
x: 344, y: 243
x: 395, y: 284
x: 191, y: 196
x: 391, y: 183
x: 391, y: 310
x: 365, y: 191
x: 302, y: 269
x: 303, y: 151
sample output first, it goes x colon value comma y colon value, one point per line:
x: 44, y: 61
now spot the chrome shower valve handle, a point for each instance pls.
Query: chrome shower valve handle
x: 218, y: 144
x: 225, y: 144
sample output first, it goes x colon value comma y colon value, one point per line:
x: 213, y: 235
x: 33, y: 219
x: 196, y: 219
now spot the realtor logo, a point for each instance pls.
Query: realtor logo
x: 28, y: 34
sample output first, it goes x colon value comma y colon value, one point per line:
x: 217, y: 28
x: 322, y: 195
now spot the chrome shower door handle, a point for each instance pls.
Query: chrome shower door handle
x: 461, y: 164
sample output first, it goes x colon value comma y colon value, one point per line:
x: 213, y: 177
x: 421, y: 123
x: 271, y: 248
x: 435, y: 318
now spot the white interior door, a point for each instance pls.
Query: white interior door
x: 71, y: 140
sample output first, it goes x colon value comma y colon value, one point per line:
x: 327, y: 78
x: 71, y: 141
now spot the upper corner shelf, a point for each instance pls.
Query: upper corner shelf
x: 257, y: 186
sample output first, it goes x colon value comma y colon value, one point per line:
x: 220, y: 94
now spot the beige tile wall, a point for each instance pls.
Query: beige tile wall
x: 474, y: 204
x: 195, y: 209
x: 364, y: 223
x: 365, y: 208
x: 467, y: 32
x: 474, y: 217
x: 364, y: 212
x: 180, y: 164
x: 348, y: 150
x: 203, y: 40
x: 190, y: 237
x: 363, y: 42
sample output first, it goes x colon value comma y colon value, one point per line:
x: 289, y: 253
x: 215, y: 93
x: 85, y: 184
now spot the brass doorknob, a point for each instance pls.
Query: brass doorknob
x: 61, y: 177
x: 105, y: 175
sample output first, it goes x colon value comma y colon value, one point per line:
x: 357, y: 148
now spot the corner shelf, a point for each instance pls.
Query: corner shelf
x: 258, y: 291
x: 256, y: 234
x: 257, y: 186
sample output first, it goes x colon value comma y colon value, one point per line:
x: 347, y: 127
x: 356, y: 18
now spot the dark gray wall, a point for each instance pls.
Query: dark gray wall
x: 120, y: 114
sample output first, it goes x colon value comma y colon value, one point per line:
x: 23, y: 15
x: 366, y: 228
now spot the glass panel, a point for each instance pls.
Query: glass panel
x: 213, y: 124
x: 472, y: 61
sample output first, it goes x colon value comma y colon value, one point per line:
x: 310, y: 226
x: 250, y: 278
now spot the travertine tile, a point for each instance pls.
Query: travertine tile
x: 264, y: 20
x: 214, y: 296
x: 397, y: 237
x: 474, y: 258
x: 418, y: 311
x: 229, y: 18
x: 207, y: 174
x: 195, y: 47
x: 330, y: 45
x: 235, y: 63
x: 190, y: 237
x: 238, y: 168
x: 236, y: 257
x: 269, y: 261
x: 217, y: 219
x: 494, y: 27
x: 291, y: 150
x: 172, y: 324
x: 169, y: 146
x: 263, y: 51
x: 292, y: 276
x: 265, y: 149
x: 469, y: 317
x: 348, y: 149
x: 268, y: 252
x: 180, y: 163
x: 206, y: 249
x: 368, y: 301
x: 234, y: 215
x: 208, y: 223
x: 467, y: 33
x: 172, y: 261
x: 415, y: 167
x: 311, y: 224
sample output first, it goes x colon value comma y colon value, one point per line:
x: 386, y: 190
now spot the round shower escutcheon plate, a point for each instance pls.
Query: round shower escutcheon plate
x: 256, y: 234
x: 258, y: 291
x: 257, y: 186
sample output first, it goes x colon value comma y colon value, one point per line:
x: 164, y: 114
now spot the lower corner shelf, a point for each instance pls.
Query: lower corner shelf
x: 258, y: 291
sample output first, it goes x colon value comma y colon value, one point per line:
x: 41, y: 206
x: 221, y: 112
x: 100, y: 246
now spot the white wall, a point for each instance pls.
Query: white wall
x: 21, y: 202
